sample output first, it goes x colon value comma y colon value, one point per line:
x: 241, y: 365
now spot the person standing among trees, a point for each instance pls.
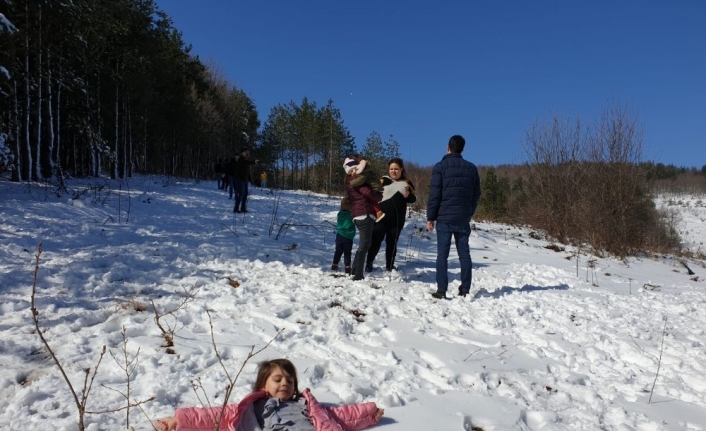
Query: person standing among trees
x: 263, y: 179
x: 219, y: 174
x: 397, y: 192
x: 242, y: 177
x: 229, y: 169
x: 453, y: 199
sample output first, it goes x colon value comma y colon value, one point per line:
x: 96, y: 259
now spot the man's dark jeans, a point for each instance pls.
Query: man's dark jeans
x: 461, y: 233
x: 230, y: 186
x: 241, y: 195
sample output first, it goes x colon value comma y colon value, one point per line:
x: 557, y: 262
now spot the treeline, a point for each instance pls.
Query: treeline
x: 304, y: 145
x: 108, y: 87
x: 587, y: 184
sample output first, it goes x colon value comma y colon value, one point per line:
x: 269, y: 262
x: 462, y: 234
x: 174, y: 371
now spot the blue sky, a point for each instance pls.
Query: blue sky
x: 423, y: 71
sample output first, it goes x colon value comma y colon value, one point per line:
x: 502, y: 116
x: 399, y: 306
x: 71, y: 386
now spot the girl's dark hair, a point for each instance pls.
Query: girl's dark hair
x: 397, y: 161
x: 265, y: 368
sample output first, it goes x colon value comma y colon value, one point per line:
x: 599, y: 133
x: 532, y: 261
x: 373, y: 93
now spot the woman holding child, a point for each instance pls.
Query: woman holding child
x: 362, y: 199
x: 398, y: 191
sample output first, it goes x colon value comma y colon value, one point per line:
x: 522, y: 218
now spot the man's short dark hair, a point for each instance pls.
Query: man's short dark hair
x: 456, y: 144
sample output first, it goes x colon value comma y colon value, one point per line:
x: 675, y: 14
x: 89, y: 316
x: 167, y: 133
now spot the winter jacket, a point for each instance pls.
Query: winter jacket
x: 361, y: 198
x: 241, y: 416
x: 242, y: 169
x: 454, y: 191
x: 230, y: 167
x: 344, y: 224
x: 393, y: 202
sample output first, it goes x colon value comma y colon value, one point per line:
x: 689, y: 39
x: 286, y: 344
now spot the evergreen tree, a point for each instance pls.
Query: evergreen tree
x: 493, y: 200
x: 392, y: 148
x: 306, y: 145
x: 374, y: 151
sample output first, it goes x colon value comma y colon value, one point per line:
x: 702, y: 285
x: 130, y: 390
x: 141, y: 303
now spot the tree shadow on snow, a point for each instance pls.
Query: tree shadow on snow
x: 507, y: 290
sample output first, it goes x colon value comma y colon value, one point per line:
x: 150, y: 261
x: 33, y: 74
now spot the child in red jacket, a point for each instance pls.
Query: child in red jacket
x: 275, y: 403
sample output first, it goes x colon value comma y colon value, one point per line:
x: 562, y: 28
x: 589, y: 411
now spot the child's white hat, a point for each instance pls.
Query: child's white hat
x: 349, y: 164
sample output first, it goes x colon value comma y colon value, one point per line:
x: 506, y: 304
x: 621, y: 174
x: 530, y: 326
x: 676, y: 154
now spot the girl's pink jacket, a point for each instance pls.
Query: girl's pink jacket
x: 350, y: 417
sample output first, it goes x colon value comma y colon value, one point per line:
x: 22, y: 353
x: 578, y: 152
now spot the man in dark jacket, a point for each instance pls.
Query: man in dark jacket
x: 453, y: 199
x: 242, y: 176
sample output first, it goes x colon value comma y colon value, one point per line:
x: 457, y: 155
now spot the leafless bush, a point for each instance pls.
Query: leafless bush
x: 685, y: 183
x: 421, y: 178
x: 659, y: 362
x: 130, y: 304
x: 80, y: 399
x: 128, y: 365
x: 587, y: 184
x: 167, y: 326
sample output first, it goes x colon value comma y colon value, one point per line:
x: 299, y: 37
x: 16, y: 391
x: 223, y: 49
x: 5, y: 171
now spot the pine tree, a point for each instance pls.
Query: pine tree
x: 493, y: 203
x: 392, y: 148
x: 374, y: 152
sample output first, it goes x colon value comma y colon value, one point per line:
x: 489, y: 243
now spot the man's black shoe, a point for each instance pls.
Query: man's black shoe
x: 461, y: 293
x: 235, y: 210
x: 369, y: 267
x: 439, y: 294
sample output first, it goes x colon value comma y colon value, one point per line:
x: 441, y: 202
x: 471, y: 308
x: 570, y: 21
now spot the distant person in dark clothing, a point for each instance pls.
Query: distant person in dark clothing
x: 453, y: 199
x: 397, y: 192
x: 230, y: 168
x: 242, y: 177
x: 219, y: 174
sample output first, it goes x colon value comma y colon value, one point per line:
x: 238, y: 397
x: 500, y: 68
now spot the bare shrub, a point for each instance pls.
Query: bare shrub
x: 130, y: 304
x: 588, y: 184
x: 420, y: 176
x: 81, y: 398
x: 168, y: 326
x: 553, y: 150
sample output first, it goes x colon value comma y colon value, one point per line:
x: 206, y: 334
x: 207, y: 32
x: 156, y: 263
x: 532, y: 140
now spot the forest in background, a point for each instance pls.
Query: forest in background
x: 109, y: 88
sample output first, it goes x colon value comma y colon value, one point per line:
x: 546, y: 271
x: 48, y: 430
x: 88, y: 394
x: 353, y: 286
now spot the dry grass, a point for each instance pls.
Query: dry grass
x: 130, y: 304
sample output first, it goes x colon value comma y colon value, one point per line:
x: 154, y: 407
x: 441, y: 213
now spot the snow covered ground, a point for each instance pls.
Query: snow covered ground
x: 541, y: 344
x: 689, y: 214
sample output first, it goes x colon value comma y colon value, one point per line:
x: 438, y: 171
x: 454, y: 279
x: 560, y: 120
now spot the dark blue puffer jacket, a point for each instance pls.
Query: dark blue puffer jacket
x: 454, y: 191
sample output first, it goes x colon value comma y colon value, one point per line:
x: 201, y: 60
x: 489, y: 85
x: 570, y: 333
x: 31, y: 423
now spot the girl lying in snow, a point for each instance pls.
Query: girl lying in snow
x: 275, y: 404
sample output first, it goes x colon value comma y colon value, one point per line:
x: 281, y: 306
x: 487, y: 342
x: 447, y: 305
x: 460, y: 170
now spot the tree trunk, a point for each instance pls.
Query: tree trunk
x: 92, y: 161
x: 27, y: 167
x: 99, y: 144
x: 127, y: 140
x: 144, y: 145
x: 57, y: 148
x: 50, y: 116
x: 114, y: 156
x: 37, y: 174
x: 17, y: 172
